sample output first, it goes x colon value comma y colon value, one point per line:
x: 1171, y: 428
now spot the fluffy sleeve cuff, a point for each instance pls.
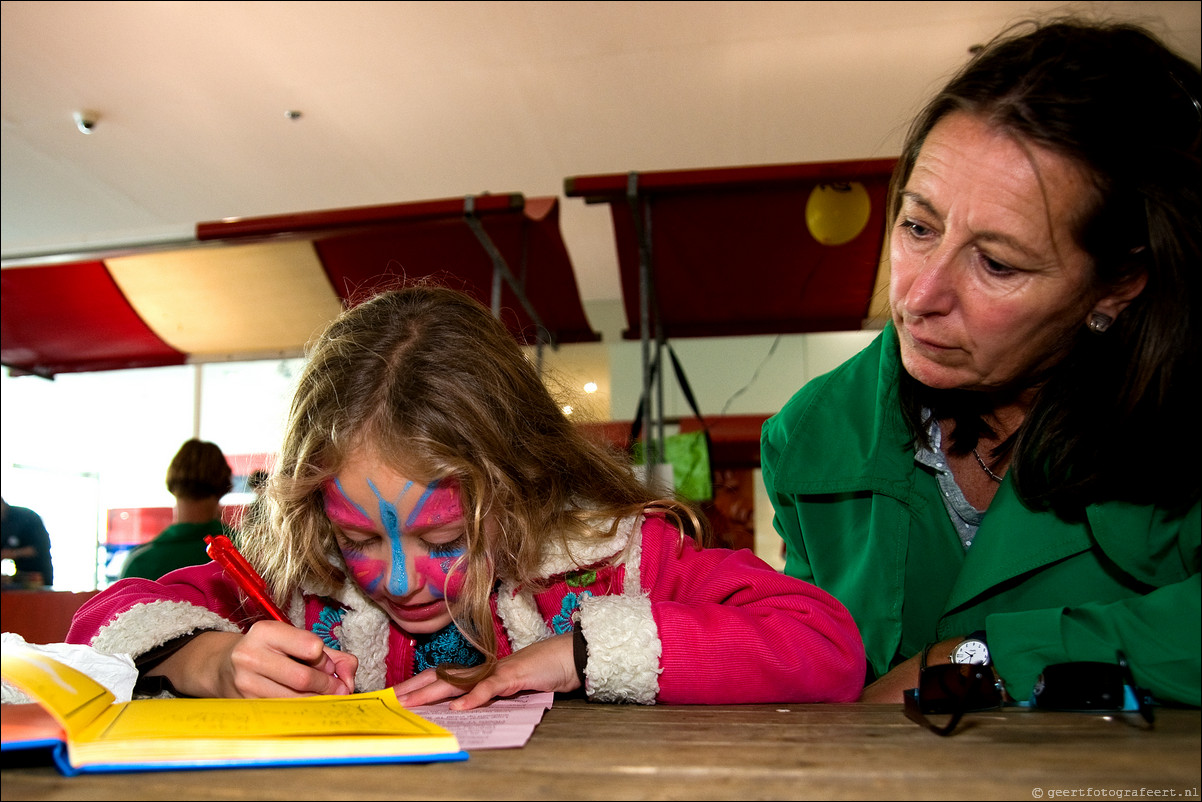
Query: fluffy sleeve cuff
x: 146, y: 626
x: 624, y: 649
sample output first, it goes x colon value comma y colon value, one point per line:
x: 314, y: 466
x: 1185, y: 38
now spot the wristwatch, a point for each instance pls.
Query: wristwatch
x: 971, y: 650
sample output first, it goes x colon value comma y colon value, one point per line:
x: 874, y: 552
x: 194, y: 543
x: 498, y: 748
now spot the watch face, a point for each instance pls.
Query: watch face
x: 971, y: 651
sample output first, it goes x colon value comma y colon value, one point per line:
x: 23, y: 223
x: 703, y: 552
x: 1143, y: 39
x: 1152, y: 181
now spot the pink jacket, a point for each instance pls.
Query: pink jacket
x: 665, y: 622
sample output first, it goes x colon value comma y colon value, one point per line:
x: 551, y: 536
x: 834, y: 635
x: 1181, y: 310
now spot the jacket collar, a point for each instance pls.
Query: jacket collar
x: 876, y: 454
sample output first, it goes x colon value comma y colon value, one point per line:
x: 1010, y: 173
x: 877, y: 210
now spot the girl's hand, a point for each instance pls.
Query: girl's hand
x: 272, y: 659
x: 547, y: 665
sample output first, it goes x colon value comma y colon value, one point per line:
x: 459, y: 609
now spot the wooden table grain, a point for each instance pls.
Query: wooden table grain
x: 611, y: 752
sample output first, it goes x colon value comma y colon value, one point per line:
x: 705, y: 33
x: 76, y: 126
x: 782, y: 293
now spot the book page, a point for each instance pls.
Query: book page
x: 309, y: 716
x: 150, y: 732
x: 72, y: 697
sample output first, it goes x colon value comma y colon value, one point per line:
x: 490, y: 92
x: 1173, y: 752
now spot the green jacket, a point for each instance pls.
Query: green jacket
x: 176, y: 546
x: 865, y: 522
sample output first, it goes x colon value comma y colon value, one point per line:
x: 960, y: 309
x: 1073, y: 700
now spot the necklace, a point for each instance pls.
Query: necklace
x: 985, y: 467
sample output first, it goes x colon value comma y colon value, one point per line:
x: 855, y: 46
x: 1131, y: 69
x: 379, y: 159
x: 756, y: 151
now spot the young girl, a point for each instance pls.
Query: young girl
x: 439, y: 526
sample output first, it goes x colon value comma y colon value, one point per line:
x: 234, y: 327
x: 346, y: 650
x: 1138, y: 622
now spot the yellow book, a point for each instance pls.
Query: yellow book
x: 99, y: 735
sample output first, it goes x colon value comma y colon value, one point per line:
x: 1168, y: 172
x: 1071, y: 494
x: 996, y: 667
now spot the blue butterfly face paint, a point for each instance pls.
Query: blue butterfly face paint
x: 400, y: 540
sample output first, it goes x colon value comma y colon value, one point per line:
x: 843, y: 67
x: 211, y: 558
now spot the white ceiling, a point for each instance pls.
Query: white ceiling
x: 411, y: 101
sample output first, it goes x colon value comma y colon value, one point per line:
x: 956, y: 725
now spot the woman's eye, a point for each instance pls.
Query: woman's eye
x: 995, y: 267
x: 914, y: 228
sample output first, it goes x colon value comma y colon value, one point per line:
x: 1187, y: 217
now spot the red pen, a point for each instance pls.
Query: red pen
x: 226, y: 555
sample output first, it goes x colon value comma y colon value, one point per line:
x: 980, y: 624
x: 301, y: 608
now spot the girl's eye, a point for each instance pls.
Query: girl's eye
x: 452, y: 549
x: 354, y: 546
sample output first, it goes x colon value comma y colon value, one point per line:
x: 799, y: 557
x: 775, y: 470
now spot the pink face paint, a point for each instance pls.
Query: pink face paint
x: 438, y: 505
x: 341, y: 510
x: 366, y: 571
x: 435, y: 572
x: 344, y: 513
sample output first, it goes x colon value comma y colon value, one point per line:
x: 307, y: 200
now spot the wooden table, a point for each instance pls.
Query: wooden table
x: 593, y: 751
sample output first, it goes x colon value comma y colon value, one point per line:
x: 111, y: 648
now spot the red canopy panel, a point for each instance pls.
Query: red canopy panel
x: 377, y: 247
x: 731, y: 253
x: 71, y: 317
x: 260, y: 288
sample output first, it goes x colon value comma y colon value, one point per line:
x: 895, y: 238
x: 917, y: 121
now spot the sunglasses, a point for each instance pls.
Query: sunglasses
x: 957, y: 689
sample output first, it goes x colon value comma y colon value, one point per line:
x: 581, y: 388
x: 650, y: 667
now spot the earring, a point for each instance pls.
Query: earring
x: 1098, y: 322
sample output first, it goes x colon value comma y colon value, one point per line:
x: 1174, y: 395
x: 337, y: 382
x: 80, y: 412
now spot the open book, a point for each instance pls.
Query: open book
x: 94, y: 734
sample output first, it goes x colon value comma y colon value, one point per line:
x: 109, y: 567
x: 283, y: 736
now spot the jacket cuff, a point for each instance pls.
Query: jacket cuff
x: 623, y: 649
x: 144, y: 627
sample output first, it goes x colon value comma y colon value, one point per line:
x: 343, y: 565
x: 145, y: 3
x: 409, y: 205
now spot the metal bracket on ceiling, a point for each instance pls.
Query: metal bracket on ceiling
x: 501, y: 272
x: 653, y: 421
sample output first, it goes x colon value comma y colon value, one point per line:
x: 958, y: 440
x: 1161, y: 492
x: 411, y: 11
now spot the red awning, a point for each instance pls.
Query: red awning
x: 259, y: 288
x: 731, y: 251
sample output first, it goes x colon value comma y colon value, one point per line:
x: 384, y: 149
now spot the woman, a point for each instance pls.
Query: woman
x: 997, y: 477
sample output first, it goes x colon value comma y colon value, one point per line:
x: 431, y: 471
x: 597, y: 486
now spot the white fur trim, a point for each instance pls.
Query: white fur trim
x: 517, y: 610
x: 558, y: 560
x: 632, y: 584
x: 623, y: 649
x: 624, y: 644
x: 520, y: 617
x: 365, y: 634
x: 147, y: 626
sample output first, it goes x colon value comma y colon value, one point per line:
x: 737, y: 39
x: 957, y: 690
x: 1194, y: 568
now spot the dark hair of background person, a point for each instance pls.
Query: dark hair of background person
x: 198, y: 471
x: 1117, y: 101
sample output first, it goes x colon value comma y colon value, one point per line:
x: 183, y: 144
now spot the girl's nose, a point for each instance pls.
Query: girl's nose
x: 402, y: 574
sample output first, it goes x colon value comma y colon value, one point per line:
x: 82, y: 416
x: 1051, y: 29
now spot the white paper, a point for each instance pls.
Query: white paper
x: 501, y: 724
x: 114, y: 671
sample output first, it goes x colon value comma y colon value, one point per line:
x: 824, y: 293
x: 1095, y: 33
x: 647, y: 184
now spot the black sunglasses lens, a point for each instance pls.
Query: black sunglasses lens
x: 948, y: 688
x: 1080, y: 686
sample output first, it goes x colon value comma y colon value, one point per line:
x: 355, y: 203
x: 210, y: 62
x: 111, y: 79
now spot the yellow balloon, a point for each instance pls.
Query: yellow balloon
x: 837, y: 213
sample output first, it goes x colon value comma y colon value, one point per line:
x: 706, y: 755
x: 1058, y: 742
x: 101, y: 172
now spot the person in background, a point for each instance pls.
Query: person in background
x: 438, y: 525
x: 198, y: 477
x: 1004, y: 475
x: 27, y: 544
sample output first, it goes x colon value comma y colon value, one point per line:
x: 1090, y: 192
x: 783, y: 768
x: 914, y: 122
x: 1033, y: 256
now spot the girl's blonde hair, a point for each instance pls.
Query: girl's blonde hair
x: 432, y: 381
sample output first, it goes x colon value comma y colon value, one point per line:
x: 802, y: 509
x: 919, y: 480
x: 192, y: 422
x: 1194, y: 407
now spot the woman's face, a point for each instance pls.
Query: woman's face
x: 399, y: 538
x: 988, y: 283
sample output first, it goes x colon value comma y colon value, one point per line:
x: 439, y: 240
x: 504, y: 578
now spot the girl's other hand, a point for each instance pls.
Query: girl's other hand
x: 272, y: 659
x: 547, y: 665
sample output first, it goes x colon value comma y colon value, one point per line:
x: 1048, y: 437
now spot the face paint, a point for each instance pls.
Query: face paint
x: 438, y: 505
x: 341, y: 510
x: 398, y: 578
x: 367, y: 571
x: 345, y: 513
x: 435, y: 572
